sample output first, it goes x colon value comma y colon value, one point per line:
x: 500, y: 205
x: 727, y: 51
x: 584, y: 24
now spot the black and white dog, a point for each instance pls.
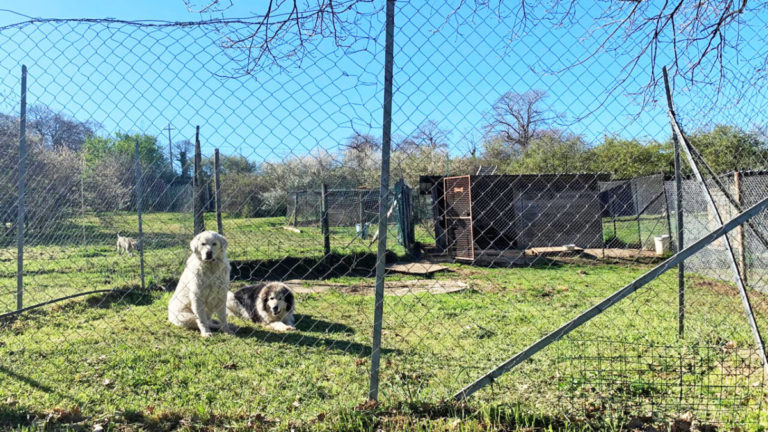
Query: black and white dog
x: 267, y: 303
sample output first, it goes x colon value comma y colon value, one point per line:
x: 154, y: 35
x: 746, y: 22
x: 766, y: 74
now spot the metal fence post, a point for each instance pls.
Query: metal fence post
x: 324, y: 224
x: 217, y: 196
x: 21, y: 209
x: 680, y: 244
x: 386, y: 138
x: 138, y: 211
x: 679, y: 228
x: 740, y: 230
x: 197, y: 187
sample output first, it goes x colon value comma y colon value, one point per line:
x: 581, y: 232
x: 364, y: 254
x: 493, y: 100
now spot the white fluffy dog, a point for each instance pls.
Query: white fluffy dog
x: 202, y: 289
x: 271, y: 304
x: 126, y: 244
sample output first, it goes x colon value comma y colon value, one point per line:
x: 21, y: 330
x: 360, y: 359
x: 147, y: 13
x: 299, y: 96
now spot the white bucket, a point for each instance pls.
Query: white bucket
x: 361, y: 230
x: 662, y: 245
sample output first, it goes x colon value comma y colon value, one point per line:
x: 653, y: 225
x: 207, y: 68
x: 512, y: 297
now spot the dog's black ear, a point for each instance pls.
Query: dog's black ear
x: 264, y: 297
x: 290, y: 300
x: 242, y: 296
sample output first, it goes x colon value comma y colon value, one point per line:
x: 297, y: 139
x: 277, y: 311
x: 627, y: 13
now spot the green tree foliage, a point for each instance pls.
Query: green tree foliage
x: 122, y: 147
x: 110, y: 174
x: 729, y: 148
x: 629, y: 158
x: 496, y: 151
x: 243, y: 196
x: 230, y: 164
x: 552, y: 151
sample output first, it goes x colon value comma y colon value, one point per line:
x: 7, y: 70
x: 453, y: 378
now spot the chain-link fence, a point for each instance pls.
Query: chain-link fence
x: 522, y: 254
x: 635, y: 212
x: 345, y: 207
x: 749, y: 242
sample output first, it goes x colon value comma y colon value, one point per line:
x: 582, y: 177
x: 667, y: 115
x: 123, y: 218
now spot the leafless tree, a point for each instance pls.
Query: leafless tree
x: 517, y: 117
x: 57, y: 130
x: 363, y: 142
x: 696, y: 34
x: 427, y: 136
x: 182, y: 156
x: 285, y: 29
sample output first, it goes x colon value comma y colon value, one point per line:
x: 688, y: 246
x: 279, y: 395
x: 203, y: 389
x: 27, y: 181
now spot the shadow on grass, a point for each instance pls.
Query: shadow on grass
x: 120, y: 297
x: 13, y: 415
x: 307, y: 323
x: 302, y: 339
x: 407, y: 416
x: 134, y: 296
x: 308, y: 268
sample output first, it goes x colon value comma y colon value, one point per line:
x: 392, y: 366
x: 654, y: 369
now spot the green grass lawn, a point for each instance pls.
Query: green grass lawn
x: 626, y: 232
x: 114, y: 360
x: 80, y: 255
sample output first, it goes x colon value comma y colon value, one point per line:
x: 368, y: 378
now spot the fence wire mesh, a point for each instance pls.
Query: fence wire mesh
x: 532, y: 178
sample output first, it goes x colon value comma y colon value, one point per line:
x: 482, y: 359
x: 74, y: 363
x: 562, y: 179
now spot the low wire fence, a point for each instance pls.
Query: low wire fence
x: 486, y: 235
x: 345, y: 207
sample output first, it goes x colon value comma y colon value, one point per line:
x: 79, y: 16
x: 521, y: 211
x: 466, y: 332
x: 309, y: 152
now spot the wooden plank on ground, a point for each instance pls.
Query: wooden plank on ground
x: 555, y: 249
x: 417, y: 268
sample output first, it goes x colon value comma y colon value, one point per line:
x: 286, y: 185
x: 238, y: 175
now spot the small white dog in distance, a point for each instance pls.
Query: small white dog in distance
x: 203, y: 286
x: 271, y: 304
x: 126, y: 244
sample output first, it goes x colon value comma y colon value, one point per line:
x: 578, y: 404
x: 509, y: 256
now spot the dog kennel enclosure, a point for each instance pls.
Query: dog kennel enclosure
x: 477, y: 214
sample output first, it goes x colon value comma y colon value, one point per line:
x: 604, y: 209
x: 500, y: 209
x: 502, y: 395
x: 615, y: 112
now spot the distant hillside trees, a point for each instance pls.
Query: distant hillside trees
x: 71, y: 168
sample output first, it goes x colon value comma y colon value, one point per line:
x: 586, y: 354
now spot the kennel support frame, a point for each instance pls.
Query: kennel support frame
x: 689, y: 151
x: 609, y: 301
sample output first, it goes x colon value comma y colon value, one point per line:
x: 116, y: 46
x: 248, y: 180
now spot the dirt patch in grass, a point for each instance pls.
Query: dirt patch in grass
x: 394, y: 288
x: 758, y: 300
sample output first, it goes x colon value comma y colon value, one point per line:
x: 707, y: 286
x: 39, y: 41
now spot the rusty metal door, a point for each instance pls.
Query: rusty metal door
x: 458, y: 217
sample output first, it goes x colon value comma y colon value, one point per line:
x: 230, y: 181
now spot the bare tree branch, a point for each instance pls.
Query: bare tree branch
x: 517, y: 117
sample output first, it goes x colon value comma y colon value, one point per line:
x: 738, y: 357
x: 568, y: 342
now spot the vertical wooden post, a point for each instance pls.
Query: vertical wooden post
x: 324, y: 225
x: 295, y: 208
x: 21, y: 204
x: 740, y: 244
x: 612, y: 206
x: 197, y: 186
x: 666, y: 207
x: 361, y: 213
x: 217, y: 196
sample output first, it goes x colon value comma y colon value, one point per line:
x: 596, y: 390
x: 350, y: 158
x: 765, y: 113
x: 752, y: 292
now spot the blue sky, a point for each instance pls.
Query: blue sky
x: 449, y: 70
